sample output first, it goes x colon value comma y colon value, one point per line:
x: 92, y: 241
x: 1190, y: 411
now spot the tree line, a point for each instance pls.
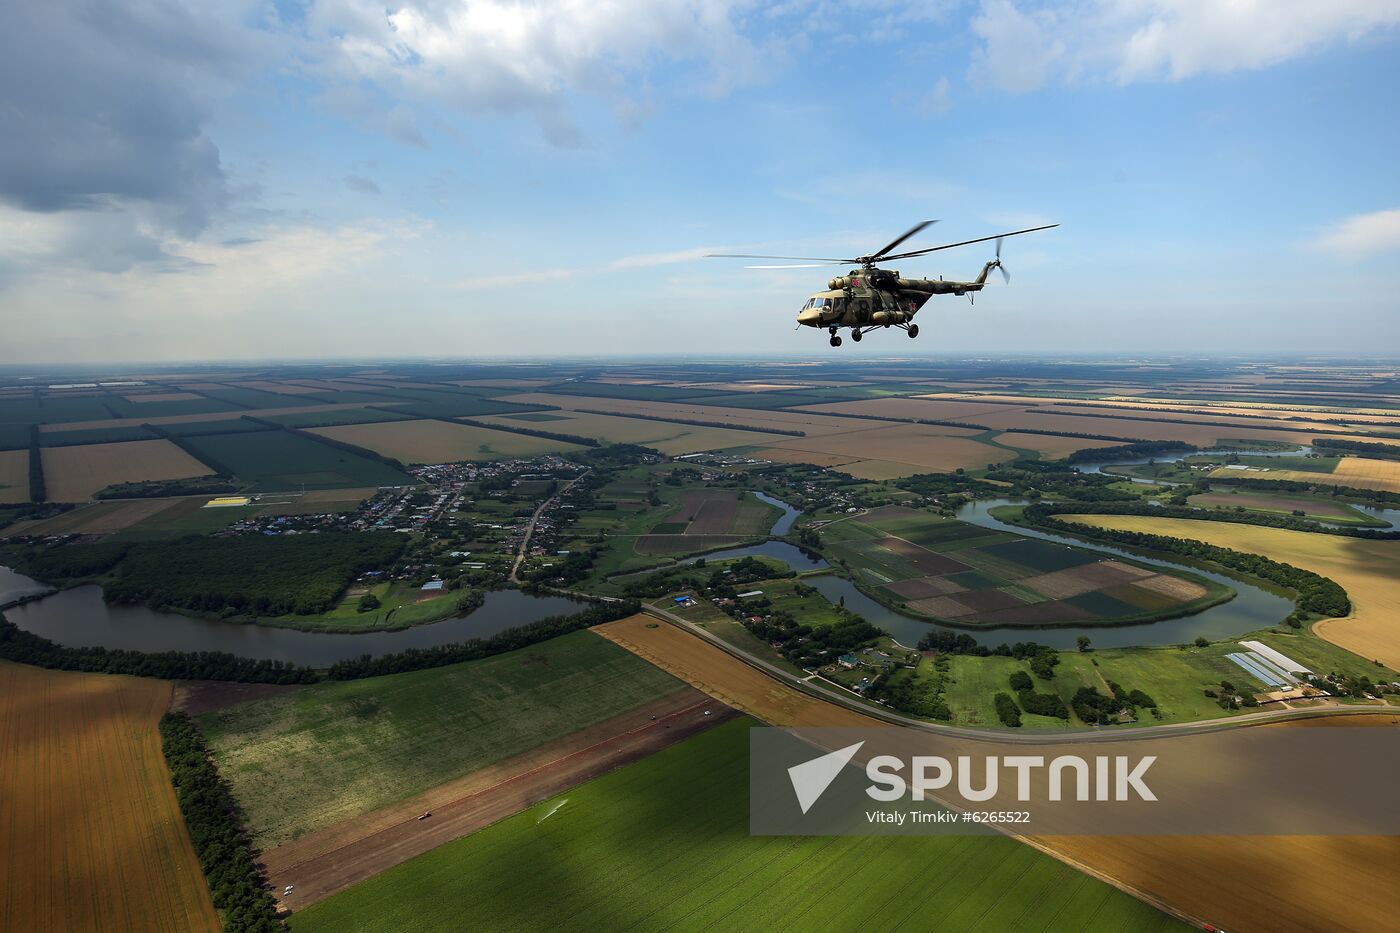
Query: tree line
x: 182, y: 442
x: 345, y: 446
x: 1388, y: 451
x: 1233, y: 516
x: 1316, y: 593
x: 215, y: 822
x: 27, y: 648
x: 529, y: 432
x: 415, y: 659
x: 38, y: 492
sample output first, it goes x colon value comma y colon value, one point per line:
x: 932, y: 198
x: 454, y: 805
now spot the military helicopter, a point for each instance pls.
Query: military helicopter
x: 870, y: 297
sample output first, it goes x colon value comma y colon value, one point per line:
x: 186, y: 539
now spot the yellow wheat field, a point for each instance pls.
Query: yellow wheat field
x: 428, y: 441
x: 14, y: 476
x: 73, y: 474
x: 666, y: 436
x: 1368, y: 570
x: 91, y: 837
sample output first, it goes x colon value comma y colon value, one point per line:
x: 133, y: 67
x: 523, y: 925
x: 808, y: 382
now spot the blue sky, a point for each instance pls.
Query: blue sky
x: 345, y: 178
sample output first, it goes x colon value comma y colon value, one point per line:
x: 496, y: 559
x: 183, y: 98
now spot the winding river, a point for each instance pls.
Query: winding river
x: 79, y: 616
x: 1250, y: 610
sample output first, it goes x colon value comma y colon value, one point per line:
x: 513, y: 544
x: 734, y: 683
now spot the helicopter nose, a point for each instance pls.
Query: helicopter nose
x: 810, y: 317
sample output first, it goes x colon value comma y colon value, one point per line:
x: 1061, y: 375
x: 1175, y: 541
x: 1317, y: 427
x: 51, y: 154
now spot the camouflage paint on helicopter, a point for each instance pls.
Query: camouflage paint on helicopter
x: 870, y: 297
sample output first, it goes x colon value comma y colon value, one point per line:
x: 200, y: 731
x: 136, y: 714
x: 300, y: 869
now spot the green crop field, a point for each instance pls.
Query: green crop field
x: 95, y: 436
x: 323, y: 419
x: 328, y: 752
x: 663, y: 844
x: 280, y: 460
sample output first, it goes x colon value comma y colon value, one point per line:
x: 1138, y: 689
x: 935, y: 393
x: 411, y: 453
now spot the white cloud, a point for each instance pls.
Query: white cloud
x: 1025, y: 45
x: 1362, y: 235
x: 509, y: 56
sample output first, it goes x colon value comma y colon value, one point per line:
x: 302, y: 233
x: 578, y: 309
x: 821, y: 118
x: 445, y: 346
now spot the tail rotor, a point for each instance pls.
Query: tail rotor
x: 1005, y: 276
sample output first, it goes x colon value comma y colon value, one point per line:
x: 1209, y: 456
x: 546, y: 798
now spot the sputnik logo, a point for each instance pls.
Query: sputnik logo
x: 811, y: 778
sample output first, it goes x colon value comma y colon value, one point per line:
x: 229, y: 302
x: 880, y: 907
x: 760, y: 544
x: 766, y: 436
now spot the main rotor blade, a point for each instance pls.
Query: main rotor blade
x: 757, y: 256
x: 798, y: 265
x: 904, y: 236
x: 981, y: 239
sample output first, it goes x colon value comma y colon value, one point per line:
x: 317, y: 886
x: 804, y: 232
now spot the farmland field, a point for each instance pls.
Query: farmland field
x: 73, y: 474
x: 668, y: 437
x: 280, y: 460
x: 91, y: 837
x: 1367, y: 570
x: 965, y: 573
x: 916, y: 448
x: 1252, y: 883
x: 427, y: 441
x: 306, y: 759
x: 98, y: 518
x: 707, y: 518
x: 663, y: 844
x: 812, y: 423
x: 1330, y: 510
x: 14, y: 476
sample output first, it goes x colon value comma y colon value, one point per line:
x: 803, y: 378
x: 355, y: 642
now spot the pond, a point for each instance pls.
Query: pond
x: 78, y: 617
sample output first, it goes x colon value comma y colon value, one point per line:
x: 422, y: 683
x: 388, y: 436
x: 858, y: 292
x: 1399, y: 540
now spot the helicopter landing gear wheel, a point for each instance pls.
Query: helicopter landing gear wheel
x: 855, y: 335
x: 913, y: 330
x: 835, y: 340
x: 831, y: 330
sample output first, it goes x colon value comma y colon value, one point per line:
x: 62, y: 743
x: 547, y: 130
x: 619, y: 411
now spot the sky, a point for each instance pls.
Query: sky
x: 240, y: 179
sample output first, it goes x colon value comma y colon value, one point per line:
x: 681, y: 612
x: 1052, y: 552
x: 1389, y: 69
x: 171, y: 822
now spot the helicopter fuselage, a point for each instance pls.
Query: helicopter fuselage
x: 868, y: 298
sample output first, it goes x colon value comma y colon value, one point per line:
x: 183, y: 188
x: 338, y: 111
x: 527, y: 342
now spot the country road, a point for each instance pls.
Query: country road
x: 534, y: 519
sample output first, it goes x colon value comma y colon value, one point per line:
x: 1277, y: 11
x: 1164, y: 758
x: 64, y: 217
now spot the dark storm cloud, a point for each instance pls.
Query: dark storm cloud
x: 104, y: 105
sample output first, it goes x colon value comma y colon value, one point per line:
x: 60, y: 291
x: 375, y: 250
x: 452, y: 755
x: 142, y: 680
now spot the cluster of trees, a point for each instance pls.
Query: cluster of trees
x: 531, y: 432
x: 720, y: 582
x: 1375, y: 496
x: 1042, y: 658
x: 916, y: 695
x: 1007, y: 710
x: 1131, y: 451
x: 810, y: 646
x: 419, y: 658
x: 1239, y: 516
x: 1031, y: 479
x: 702, y: 424
x: 1091, y: 706
x: 63, y: 561
x: 1389, y: 451
x: 37, y: 491
x: 1316, y: 593
x: 256, y: 574
x: 31, y: 510
x: 27, y: 648
x: 156, y: 489
x: 1040, y: 704
x: 223, y: 845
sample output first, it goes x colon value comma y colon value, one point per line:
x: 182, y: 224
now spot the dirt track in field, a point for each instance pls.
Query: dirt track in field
x: 1238, y: 883
x: 327, y: 861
